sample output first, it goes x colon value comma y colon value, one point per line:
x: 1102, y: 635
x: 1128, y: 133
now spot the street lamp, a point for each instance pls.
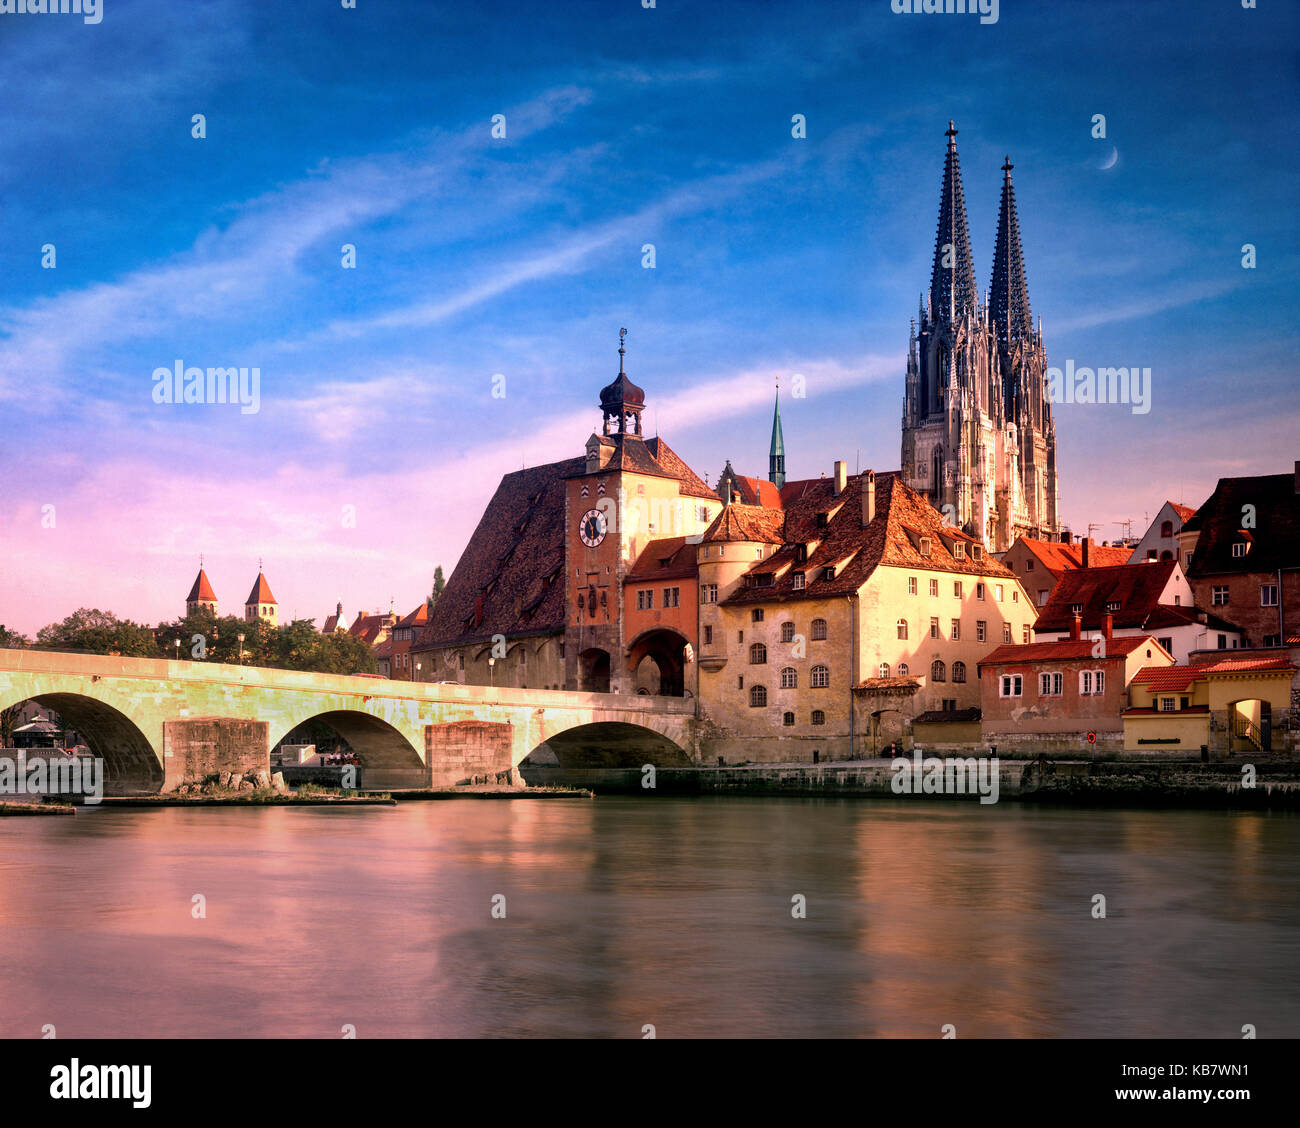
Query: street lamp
x: 177, y: 644
x: 492, y: 671
x: 241, y: 648
x: 418, y: 667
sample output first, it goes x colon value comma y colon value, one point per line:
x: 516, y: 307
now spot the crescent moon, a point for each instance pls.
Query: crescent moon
x: 1109, y: 162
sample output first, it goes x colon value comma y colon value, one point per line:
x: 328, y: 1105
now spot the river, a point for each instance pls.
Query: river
x: 675, y: 913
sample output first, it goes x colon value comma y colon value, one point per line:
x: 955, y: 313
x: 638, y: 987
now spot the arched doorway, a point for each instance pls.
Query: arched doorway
x: 1250, y: 726
x: 657, y: 661
x: 593, y: 670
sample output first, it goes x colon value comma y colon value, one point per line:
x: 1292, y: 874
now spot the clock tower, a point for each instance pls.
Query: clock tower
x: 629, y: 493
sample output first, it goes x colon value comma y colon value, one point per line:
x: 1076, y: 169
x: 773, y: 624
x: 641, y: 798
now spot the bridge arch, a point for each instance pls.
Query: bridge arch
x: 665, y: 649
x: 132, y: 765
x: 387, y: 756
x: 609, y: 744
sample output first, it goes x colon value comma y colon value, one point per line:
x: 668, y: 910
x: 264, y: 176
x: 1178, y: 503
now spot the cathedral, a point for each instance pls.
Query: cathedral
x: 978, y: 437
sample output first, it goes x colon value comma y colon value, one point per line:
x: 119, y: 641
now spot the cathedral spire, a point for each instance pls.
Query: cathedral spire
x: 1011, y: 317
x: 952, y: 280
x: 776, y: 456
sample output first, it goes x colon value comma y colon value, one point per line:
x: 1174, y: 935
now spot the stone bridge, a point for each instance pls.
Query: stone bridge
x: 159, y: 723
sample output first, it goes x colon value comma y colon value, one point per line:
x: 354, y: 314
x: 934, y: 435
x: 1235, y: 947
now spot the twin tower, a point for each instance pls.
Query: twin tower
x: 978, y: 437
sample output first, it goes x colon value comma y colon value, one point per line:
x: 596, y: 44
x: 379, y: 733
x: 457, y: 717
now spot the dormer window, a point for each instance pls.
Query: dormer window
x: 977, y: 553
x: 800, y: 553
x: 828, y: 573
x: 821, y: 520
x: 924, y: 547
x: 1113, y: 605
x: 798, y: 581
x: 1240, y: 548
x: 958, y: 550
x: 1077, y: 608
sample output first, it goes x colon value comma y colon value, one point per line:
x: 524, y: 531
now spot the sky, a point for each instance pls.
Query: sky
x: 377, y: 439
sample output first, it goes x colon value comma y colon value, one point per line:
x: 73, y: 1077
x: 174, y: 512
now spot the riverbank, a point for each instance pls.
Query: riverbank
x: 36, y: 809
x: 493, y: 791
x: 1071, y: 782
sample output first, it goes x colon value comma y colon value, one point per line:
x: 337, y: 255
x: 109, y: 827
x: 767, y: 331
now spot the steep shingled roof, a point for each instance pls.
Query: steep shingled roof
x: 1066, y: 650
x: 261, y: 592
x: 508, y: 580
x: 1135, y: 587
x: 1059, y: 558
x: 1274, y: 538
x: 745, y: 523
x: 669, y: 558
x: 903, y: 519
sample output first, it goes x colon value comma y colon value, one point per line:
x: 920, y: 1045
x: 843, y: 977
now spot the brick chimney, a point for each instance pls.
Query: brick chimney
x: 868, y: 498
x: 1076, y: 627
x: 1087, y: 550
x: 1066, y: 537
x: 841, y: 477
x: 1107, y: 625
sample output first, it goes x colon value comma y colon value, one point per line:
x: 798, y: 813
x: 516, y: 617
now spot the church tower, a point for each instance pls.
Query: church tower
x: 776, y: 456
x: 201, y: 598
x: 978, y: 439
x: 260, y: 603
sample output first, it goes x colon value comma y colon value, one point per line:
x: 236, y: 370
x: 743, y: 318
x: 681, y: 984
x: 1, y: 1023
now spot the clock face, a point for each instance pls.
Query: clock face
x: 592, y: 527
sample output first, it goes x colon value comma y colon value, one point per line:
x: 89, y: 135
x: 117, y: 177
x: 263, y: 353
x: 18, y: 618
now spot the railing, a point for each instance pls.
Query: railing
x: 1248, y: 730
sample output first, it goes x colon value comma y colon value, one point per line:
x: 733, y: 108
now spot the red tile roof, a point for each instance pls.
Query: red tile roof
x: 1185, y: 512
x: 1275, y: 535
x: 1282, y: 663
x: 418, y: 617
x: 1136, y: 587
x: 202, y: 590
x: 902, y: 518
x: 1066, y: 650
x: 758, y: 491
x: 1059, y: 558
x: 1158, y: 678
x: 745, y: 523
x: 261, y: 592
x: 1172, y: 678
x: 669, y: 558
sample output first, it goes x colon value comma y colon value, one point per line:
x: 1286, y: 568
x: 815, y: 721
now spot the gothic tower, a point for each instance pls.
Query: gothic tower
x: 978, y: 439
x: 776, y: 455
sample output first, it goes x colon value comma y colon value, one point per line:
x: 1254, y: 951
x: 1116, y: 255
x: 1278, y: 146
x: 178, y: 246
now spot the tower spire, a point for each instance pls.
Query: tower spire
x: 952, y: 280
x: 1012, y: 320
x: 776, y: 456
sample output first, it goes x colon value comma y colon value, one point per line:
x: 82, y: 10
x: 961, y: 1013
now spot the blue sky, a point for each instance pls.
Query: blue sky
x: 522, y: 256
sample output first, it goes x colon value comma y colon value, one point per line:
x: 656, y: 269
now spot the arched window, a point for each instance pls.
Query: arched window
x: 902, y: 669
x: 902, y: 628
x: 819, y: 628
x: 789, y: 678
x: 818, y: 717
x: 787, y: 719
x: 787, y: 632
x: 938, y: 672
x: 820, y: 677
x: 757, y: 654
x: 938, y: 464
x: 959, y: 671
x: 884, y: 669
x: 757, y: 696
x: 1166, y: 528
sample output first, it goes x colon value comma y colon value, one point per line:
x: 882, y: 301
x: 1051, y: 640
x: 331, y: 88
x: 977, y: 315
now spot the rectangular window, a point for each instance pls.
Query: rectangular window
x: 645, y: 600
x: 798, y: 581
x: 672, y: 597
x: 1024, y: 635
x: 1273, y: 640
x: 956, y: 588
x: 1049, y: 685
x: 756, y: 615
x: 1219, y: 596
x: 1240, y: 548
x: 981, y: 630
x: 1168, y: 705
x: 934, y: 626
x: 1268, y: 595
x: 1011, y: 685
x: 925, y: 546
x: 1042, y: 597
x: 1006, y: 632
x: 956, y: 630
x: 708, y: 593
x: 934, y: 587
x: 708, y: 635
x: 997, y: 591
x: 1223, y: 642
x: 979, y: 591
x: 911, y: 585
x: 959, y: 551
x: 1092, y: 683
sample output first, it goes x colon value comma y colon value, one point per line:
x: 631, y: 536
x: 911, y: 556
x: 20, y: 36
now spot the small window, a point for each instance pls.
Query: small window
x: 934, y: 626
x: 1076, y: 608
x: 1240, y: 548
x: 1219, y: 596
x: 902, y: 669
x: 902, y: 628
x: 997, y: 592
x: 798, y: 581
x: 818, y: 629
x: 959, y: 671
x: 789, y: 678
x: 1166, y: 529
x: 787, y: 719
x: 787, y: 631
x: 1114, y: 605
x: 925, y: 546
x: 981, y: 630
x: 1029, y: 564
x: 884, y: 670
x: 820, y: 677
x: 1024, y: 634
x: 956, y: 588
x: 1223, y: 642
x: 1006, y: 632
x: 1268, y: 595
x: 1167, y: 642
x: 818, y: 717
x: 1168, y: 705
x: 828, y: 573
x: 938, y: 671
x: 959, y: 550
x: 934, y: 588
x: 1010, y: 685
x: 756, y: 615
x: 1042, y: 596
x: 1049, y: 685
x: 821, y: 520
x: 757, y: 696
x: 708, y: 634
x: 708, y: 593
x: 979, y: 591
x: 911, y: 585
x: 956, y: 630
x: 977, y: 552
x: 757, y: 654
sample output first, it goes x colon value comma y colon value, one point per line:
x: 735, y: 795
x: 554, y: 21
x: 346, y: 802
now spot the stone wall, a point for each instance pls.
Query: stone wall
x: 460, y: 750
x: 198, y: 747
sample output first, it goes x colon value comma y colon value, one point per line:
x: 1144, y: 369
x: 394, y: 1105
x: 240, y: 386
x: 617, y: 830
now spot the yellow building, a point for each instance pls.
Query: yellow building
x: 827, y: 626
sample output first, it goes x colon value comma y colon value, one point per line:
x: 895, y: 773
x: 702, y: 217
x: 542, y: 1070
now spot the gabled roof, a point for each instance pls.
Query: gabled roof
x: 509, y: 580
x: 671, y: 464
x: 745, y: 523
x: 1185, y: 512
x: 757, y: 491
x: 1059, y: 558
x: 261, y: 592
x: 1068, y: 650
x: 669, y: 558
x: 1172, y: 679
x: 1274, y: 535
x: 1135, y: 587
x: 903, y: 519
x: 202, y: 590
x: 416, y: 618
x: 368, y: 627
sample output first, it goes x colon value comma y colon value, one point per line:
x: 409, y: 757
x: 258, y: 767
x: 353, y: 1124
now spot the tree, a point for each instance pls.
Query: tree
x: 438, y: 584
x: 98, y: 632
x: 12, y: 640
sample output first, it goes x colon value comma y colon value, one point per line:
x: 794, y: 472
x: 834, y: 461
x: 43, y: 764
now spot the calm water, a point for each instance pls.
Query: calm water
x: 674, y: 912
